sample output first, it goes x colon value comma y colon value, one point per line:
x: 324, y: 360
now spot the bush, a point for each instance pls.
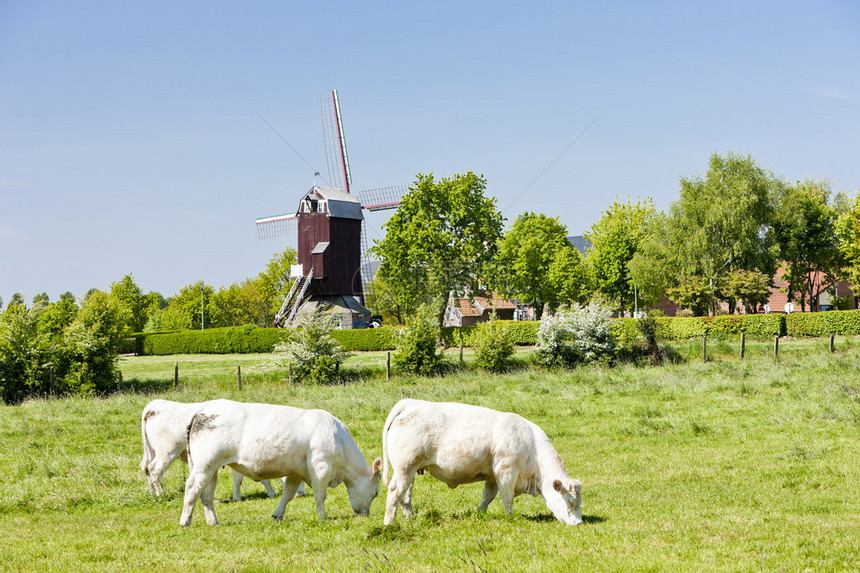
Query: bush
x: 493, y: 346
x: 417, y: 351
x: 570, y: 337
x: 312, y: 351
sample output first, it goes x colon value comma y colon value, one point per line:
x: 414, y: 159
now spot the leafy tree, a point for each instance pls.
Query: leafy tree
x: 694, y: 293
x: 273, y: 284
x: 752, y: 288
x: 805, y: 230
x: 59, y: 315
x: 720, y: 224
x: 616, y: 237
x: 18, y: 350
x: 129, y: 294
x: 527, y: 253
x: 848, y: 232
x: 442, y: 232
x: 569, y: 278
x: 228, y: 307
x: 380, y: 297
x: 187, y: 308
x: 92, y: 343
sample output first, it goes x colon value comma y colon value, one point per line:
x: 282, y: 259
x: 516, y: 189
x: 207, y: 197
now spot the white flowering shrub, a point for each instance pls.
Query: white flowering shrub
x: 311, y: 350
x: 577, y: 335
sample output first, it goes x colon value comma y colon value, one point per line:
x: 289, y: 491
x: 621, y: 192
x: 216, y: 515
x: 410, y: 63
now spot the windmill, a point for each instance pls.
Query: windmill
x: 333, y: 268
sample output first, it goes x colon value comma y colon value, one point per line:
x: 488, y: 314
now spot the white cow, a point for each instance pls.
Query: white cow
x: 164, y: 427
x: 265, y: 441
x: 459, y: 443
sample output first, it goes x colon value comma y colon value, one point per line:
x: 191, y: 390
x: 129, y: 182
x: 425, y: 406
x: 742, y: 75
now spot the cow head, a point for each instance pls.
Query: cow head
x: 363, y: 491
x: 565, y: 500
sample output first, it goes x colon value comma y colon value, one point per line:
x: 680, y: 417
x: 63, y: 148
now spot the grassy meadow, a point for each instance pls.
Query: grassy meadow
x: 728, y: 465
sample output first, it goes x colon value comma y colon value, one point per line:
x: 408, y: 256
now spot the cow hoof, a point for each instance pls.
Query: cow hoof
x: 277, y: 517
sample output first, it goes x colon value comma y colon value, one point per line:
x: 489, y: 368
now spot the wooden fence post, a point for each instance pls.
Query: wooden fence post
x: 119, y: 383
x: 776, y: 346
x: 743, y: 343
x: 291, y: 372
x: 461, y: 355
x: 175, y: 375
x: 239, y: 376
x: 704, y: 348
x: 831, y: 341
x: 388, y: 367
x: 51, y: 380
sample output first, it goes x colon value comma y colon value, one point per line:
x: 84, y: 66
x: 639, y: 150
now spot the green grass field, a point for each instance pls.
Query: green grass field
x: 723, y: 465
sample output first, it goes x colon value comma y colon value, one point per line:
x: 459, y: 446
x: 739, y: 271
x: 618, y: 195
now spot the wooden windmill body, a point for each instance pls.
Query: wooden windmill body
x: 333, y: 268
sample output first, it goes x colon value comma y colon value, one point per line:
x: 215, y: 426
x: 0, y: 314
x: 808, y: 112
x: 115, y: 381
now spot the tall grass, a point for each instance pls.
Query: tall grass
x: 719, y: 465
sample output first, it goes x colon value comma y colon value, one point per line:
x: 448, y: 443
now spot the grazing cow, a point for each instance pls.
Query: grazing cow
x: 265, y: 441
x: 459, y: 443
x: 164, y: 426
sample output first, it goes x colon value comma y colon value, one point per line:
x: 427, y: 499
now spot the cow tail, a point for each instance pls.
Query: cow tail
x: 398, y: 408
x: 147, y: 448
x: 188, y: 441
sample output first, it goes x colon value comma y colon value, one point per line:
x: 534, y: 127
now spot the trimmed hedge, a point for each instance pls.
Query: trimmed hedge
x: 249, y: 339
x: 366, y: 339
x: 801, y: 324
x: 522, y: 333
x: 232, y: 340
x: 717, y: 327
x: 246, y: 339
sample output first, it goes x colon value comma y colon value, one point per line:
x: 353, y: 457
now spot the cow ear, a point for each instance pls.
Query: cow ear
x: 557, y: 485
x: 377, y: 465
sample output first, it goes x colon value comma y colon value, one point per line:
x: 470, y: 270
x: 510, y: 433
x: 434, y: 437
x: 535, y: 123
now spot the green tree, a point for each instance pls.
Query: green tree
x: 848, y: 233
x: 720, y: 224
x: 187, y: 307
x: 526, y: 255
x: 752, y: 288
x: 59, y: 315
x: 616, y: 238
x: 129, y: 294
x: 805, y: 229
x: 274, y: 283
x: 569, y: 278
x: 442, y: 232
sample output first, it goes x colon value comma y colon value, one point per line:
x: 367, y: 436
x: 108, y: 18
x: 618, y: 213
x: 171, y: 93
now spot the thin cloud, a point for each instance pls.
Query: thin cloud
x: 7, y: 232
x: 830, y: 92
x: 16, y: 184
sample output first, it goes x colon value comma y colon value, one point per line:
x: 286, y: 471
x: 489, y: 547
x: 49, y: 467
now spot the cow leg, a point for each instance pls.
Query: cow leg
x: 506, y: 491
x: 301, y: 492
x: 290, y: 486
x: 193, y: 488
x: 399, y: 494
x: 490, y: 491
x: 155, y: 471
x: 237, y: 486
x: 270, y: 491
x: 320, y: 491
x: 207, y: 498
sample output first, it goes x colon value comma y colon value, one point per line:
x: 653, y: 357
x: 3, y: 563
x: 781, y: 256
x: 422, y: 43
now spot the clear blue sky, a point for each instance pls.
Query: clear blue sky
x: 130, y: 140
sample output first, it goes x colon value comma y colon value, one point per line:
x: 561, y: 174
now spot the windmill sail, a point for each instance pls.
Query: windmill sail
x: 277, y: 226
x: 335, y: 142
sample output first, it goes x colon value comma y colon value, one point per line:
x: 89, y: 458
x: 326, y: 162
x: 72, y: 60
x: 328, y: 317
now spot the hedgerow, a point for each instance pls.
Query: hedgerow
x: 803, y: 324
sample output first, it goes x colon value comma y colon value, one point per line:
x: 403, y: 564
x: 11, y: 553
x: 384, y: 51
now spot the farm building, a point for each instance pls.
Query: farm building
x: 469, y: 311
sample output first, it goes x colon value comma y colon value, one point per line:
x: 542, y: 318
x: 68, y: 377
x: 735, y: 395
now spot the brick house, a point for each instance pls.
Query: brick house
x: 469, y: 312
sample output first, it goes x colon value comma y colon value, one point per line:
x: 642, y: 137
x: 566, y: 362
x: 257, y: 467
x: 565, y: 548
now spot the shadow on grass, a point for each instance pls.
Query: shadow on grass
x: 148, y: 386
x: 546, y: 517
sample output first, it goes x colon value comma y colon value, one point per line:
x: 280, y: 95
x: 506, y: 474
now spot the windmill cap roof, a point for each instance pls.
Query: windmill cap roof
x: 340, y: 203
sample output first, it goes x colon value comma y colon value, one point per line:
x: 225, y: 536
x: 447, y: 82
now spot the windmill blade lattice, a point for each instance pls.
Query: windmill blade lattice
x: 277, y: 226
x: 382, y: 198
x: 335, y: 142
